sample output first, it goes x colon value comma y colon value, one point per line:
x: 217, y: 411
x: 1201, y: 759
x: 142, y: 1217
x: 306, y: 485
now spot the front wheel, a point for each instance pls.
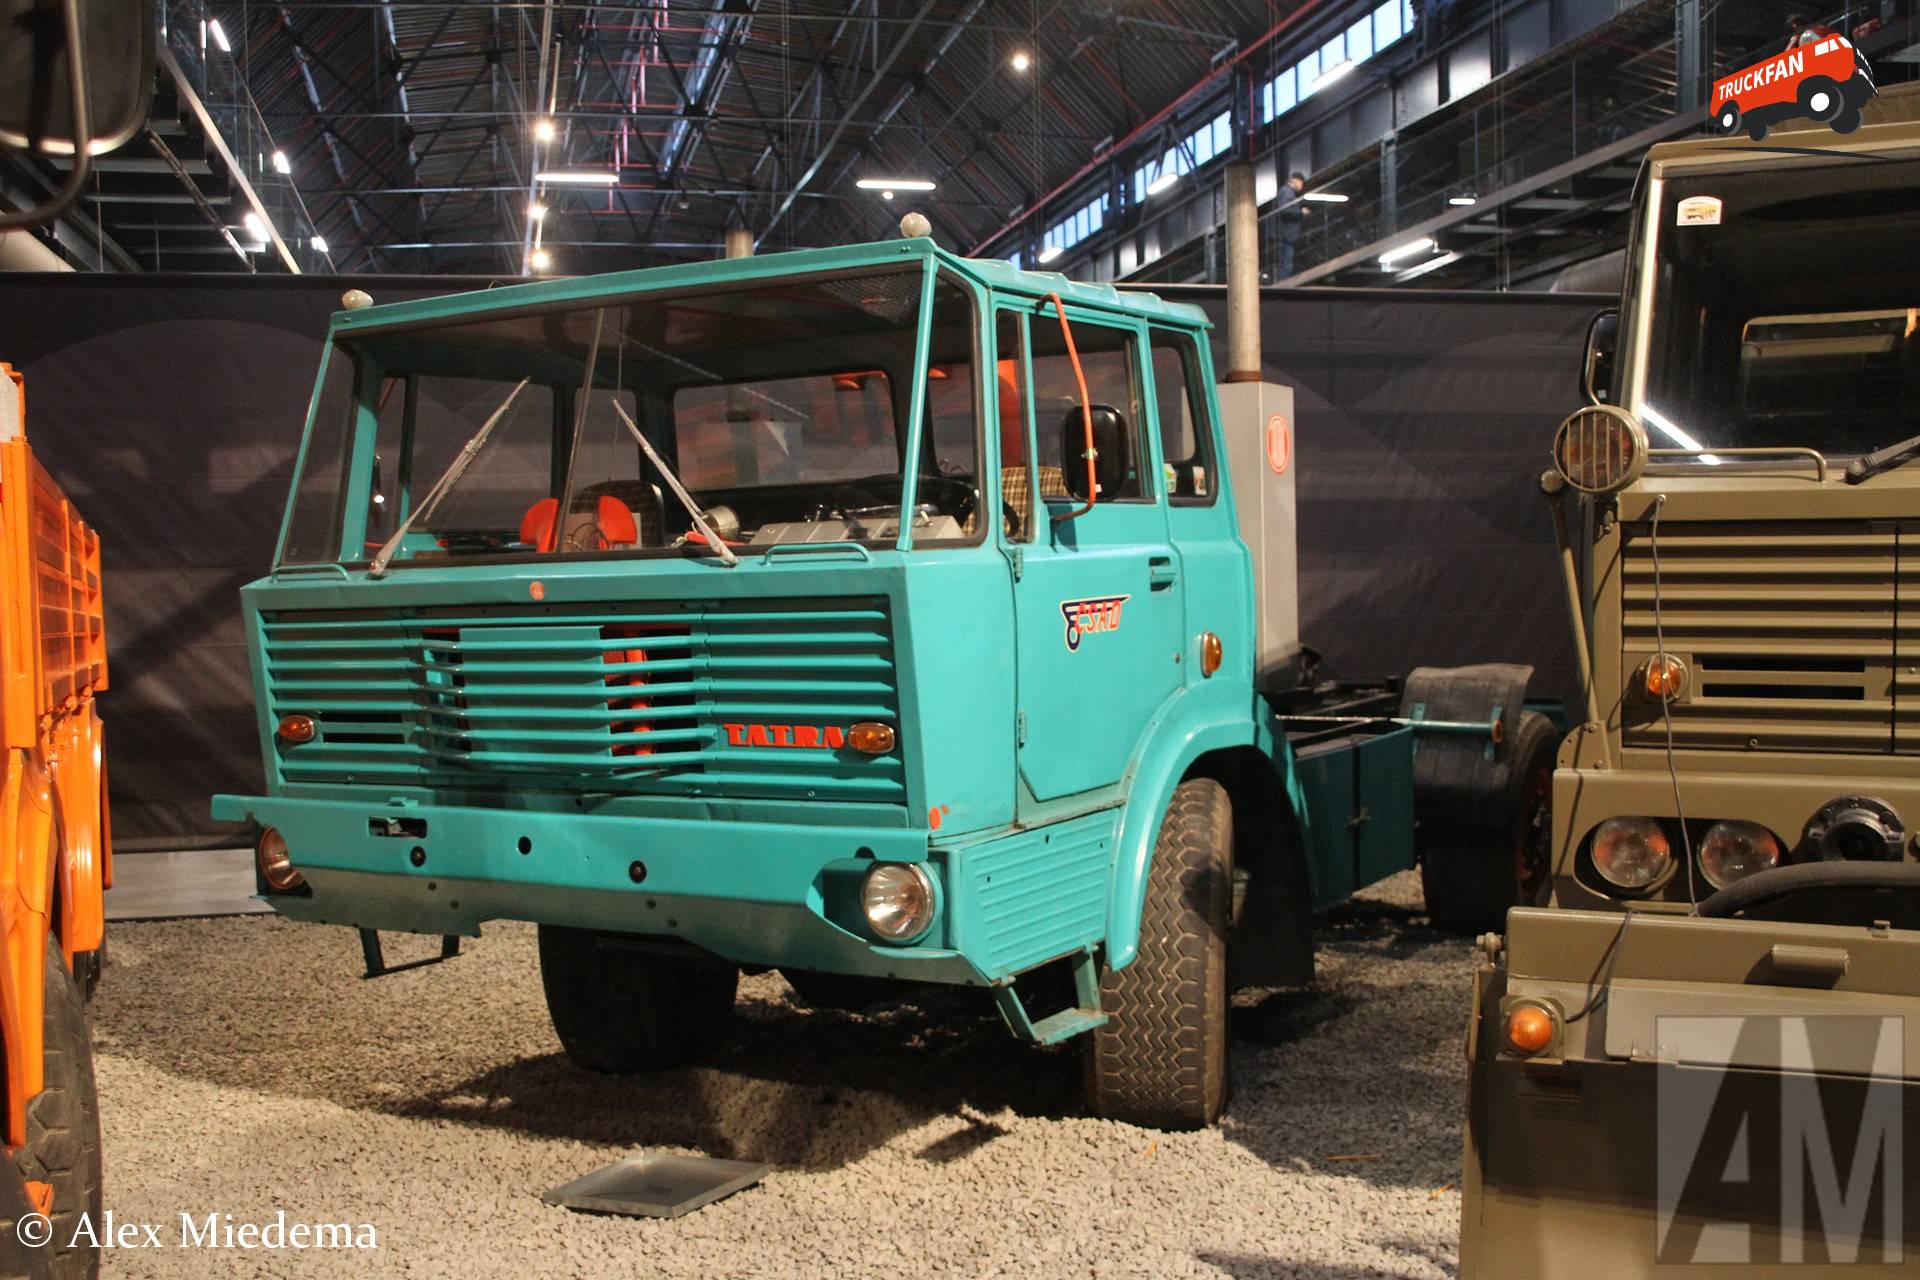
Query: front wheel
x: 61, y: 1160
x: 1160, y: 1059
x: 618, y: 1009
x: 1729, y: 118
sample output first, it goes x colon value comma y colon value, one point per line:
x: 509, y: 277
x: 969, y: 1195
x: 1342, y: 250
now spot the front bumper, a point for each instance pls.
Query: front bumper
x: 1679, y: 1044
x: 755, y: 893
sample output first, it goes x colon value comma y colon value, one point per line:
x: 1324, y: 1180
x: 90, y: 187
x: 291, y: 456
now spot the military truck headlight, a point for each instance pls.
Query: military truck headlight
x: 1600, y: 449
x: 1631, y: 853
x: 275, y: 863
x: 1735, y: 850
x: 898, y: 901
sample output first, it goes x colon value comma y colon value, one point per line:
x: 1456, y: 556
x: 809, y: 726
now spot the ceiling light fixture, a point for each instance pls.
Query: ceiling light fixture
x: 541, y: 259
x: 219, y: 34
x: 319, y: 244
x: 536, y: 211
x: 1332, y: 73
x: 280, y: 163
x: 544, y: 130
x: 1162, y: 182
x: 1051, y: 252
x: 578, y: 177
x: 1021, y: 60
x: 894, y: 184
x: 1326, y: 197
x: 1461, y: 202
x: 1407, y: 250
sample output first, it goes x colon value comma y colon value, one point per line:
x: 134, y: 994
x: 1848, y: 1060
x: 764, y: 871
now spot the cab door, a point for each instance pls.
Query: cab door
x: 1098, y: 598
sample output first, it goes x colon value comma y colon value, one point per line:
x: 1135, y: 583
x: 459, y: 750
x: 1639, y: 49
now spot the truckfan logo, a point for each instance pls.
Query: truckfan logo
x: 1780, y: 1139
x: 1090, y: 617
x: 1820, y: 76
x: 808, y: 737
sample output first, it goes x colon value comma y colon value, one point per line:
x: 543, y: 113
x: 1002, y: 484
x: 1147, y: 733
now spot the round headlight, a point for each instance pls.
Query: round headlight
x: 1600, y: 449
x: 1735, y: 850
x: 898, y: 901
x: 276, y: 865
x: 1632, y: 853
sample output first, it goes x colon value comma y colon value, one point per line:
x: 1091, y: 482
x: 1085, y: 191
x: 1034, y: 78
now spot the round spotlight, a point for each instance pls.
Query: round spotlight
x: 1021, y: 60
x: 1600, y: 449
x: 544, y: 130
x: 898, y: 901
x: 276, y: 865
x: 1735, y: 850
x: 1632, y: 853
x: 541, y: 260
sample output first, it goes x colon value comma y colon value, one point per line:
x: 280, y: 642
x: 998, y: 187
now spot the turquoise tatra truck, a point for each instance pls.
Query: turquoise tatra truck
x: 868, y: 613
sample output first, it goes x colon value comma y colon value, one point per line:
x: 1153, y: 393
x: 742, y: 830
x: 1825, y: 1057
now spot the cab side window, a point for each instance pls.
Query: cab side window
x: 1181, y: 398
x: 1107, y: 357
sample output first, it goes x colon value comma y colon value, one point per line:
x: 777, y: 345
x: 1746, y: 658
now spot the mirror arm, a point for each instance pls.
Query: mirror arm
x: 82, y: 133
x: 1086, y: 413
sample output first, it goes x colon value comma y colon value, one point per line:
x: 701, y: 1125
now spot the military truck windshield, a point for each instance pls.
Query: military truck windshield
x: 1786, y: 309
x: 782, y: 406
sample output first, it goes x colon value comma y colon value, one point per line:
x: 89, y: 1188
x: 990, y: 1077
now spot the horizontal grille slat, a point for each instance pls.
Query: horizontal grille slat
x: 1788, y: 631
x: 707, y: 700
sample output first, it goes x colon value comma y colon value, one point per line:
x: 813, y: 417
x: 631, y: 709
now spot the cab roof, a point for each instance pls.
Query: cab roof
x: 1001, y: 277
x: 1892, y: 118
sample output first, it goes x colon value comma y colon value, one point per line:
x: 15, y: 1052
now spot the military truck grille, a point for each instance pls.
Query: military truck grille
x: 748, y: 700
x: 1787, y: 631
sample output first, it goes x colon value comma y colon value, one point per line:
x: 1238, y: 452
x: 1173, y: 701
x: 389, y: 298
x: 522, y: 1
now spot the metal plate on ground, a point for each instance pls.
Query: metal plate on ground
x: 657, y: 1186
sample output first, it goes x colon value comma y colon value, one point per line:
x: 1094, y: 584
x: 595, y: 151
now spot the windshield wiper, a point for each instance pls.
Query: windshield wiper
x: 444, y: 485
x: 673, y: 482
x: 1894, y: 455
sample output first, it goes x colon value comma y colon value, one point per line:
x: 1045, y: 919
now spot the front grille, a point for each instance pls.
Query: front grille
x: 714, y: 700
x: 1787, y: 630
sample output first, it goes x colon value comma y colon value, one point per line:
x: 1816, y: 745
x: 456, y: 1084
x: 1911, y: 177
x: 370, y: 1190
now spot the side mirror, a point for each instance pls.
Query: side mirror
x: 1111, y: 465
x: 76, y: 79
x: 1596, y: 372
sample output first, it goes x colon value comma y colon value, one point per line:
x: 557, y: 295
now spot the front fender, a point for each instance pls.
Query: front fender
x: 1190, y: 725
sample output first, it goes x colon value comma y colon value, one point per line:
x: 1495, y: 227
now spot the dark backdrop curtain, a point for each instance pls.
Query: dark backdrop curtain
x: 170, y: 409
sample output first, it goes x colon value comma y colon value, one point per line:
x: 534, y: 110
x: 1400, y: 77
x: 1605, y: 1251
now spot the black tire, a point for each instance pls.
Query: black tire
x: 63, y: 1124
x: 1729, y: 118
x: 1160, y: 1059
x: 1757, y: 130
x: 620, y: 1010
x: 1821, y: 87
x: 1846, y: 120
x: 848, y: 991
x: 1473, y: 874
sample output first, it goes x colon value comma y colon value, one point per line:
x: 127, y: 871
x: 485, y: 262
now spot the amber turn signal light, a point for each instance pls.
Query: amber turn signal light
x: 1666, y: 677
x: 874, y: 739
x: 1210, y: 652
x: 1529, y: 1028
x: 295, y: 730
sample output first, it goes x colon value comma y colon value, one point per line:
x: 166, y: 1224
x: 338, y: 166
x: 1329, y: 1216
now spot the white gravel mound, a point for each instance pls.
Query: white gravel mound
x: 246, y: 1069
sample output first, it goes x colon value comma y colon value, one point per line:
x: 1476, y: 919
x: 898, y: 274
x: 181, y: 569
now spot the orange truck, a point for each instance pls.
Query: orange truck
x: 54, y: 857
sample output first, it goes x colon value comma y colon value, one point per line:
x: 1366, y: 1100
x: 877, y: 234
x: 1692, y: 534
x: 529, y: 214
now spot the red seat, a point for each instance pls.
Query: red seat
x: 611, y: 525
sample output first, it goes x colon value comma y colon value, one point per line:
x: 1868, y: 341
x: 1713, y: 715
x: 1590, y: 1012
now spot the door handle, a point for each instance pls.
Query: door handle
x: 1160, y: 572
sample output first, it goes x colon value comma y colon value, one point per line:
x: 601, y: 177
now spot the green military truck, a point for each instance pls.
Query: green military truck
x: 868, y: 613
x: 1706, y: 1059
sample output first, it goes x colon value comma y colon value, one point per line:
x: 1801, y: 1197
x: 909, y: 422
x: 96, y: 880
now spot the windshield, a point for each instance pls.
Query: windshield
x: 1785, y: 309
x: 782, y: 406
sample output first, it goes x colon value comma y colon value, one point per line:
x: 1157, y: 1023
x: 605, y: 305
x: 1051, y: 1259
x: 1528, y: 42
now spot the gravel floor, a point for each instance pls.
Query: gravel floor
x: 245, y: 1068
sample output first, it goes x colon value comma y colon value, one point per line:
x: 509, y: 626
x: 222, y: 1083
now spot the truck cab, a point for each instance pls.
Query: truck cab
x: 1730, y: 958
x: 871, y: 613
